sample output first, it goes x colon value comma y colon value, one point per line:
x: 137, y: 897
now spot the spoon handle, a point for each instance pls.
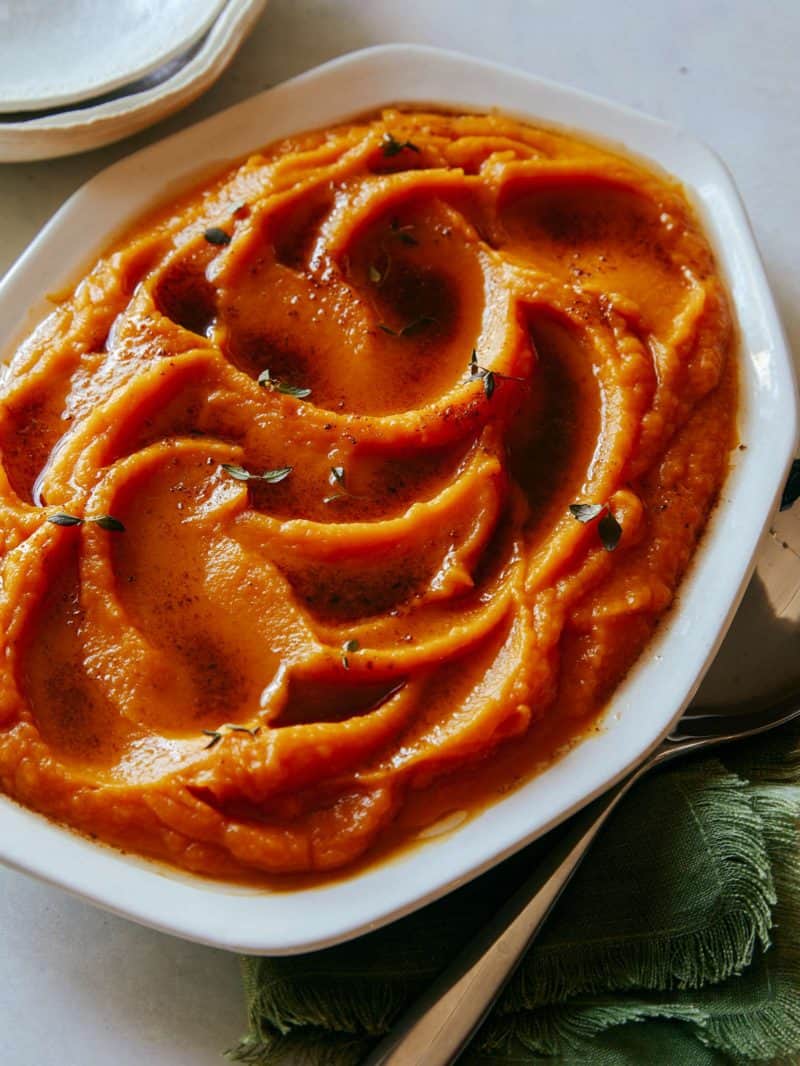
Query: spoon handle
x: 439, y: 1025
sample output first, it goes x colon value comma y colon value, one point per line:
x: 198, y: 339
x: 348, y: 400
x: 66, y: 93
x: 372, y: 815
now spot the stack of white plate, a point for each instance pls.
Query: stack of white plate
x: 75, y: 74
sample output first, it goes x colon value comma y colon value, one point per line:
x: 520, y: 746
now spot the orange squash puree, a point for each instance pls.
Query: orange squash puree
x: 397, y: 613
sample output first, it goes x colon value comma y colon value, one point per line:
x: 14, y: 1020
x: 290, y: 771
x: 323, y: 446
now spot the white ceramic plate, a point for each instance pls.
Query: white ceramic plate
x: 53, y: 54
x: 150, y: 99
x: 664, y: 680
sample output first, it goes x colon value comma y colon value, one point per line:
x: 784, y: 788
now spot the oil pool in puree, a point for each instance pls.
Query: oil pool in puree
x: 343, y: 492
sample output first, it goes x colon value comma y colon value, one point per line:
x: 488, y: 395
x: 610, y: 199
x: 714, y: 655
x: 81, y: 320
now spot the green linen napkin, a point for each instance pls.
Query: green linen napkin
x: 684, y: 919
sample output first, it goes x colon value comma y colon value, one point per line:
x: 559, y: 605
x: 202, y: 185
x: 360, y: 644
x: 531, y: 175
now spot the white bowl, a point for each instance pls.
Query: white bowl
x: 665, y: 678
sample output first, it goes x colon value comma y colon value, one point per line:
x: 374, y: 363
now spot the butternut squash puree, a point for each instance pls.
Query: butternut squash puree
x: 414, y: 596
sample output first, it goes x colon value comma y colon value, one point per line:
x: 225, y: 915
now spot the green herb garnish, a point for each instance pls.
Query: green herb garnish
x: 270, y: 476
x: 586, y: 512
x: 610, y: 531
x: 417, y: 326
x: 65, y: 520
x: 403, y: 233
x: 411, y: 329
x: 490, y: 378
x: 266, y: 381
x: 107, y: 521
x: 217, y: 235
x: 217, y: 734
x: 104, y: 521
x: 608, y: 528
x: 348, y: 648
x: 489, y: 382
x: 337, y: 478
x: 391, y: 146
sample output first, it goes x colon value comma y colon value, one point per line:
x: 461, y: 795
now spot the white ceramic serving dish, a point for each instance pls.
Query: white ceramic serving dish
x: 176, y: 84
x: 665, y: 678
x: 57, y: 54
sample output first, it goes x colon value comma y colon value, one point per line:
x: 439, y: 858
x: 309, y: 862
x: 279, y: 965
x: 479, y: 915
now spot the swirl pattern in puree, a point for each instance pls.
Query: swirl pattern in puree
x: 268, y: 674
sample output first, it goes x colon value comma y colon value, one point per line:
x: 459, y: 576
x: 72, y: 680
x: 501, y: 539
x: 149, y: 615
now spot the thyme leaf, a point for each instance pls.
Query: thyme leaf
x: 266, y: 381
x: 490, y: 378
x: 391, y: 146
x: 377, y: 275
x: 610, y: 531
x: 411, y: 329
x: 217, y: 235
x: 270, y: 476
x: 104, y: 521
x: 238, y: 472
x: 274, y: 476
x: 348, y: 648
x: 338, y: 479
x: 419, y: 324
x: 65, y: 520
x: 229, y: 727
x: 608, y: 528
x: 403, y: 233
x: 586, y: 512
x: 107, y: 521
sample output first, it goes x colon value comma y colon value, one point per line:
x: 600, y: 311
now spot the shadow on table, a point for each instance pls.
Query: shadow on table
x: 761, y: 654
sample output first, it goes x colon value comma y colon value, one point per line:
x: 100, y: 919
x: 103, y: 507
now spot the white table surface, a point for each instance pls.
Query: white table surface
x: 81, y: 988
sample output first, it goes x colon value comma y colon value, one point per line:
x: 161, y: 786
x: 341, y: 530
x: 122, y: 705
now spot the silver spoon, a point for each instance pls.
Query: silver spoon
x: 439, y: 1025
